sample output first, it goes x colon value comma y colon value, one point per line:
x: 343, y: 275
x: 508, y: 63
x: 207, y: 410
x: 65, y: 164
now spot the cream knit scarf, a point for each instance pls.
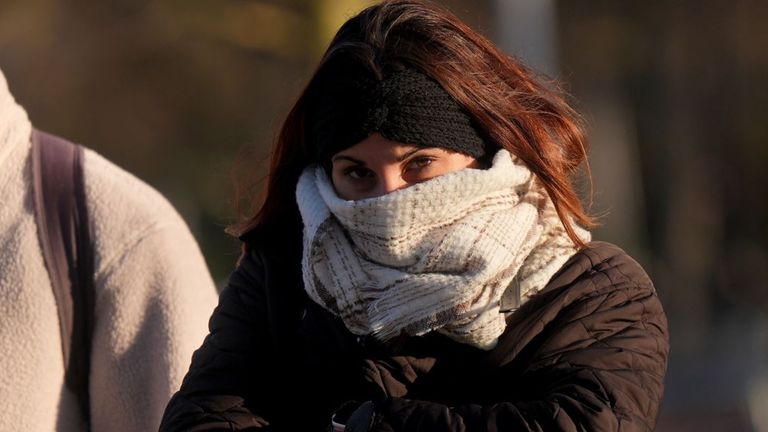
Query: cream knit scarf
x: 438, y: 255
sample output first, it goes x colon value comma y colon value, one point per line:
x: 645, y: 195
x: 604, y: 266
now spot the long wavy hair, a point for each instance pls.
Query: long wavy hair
x: 509, y: 104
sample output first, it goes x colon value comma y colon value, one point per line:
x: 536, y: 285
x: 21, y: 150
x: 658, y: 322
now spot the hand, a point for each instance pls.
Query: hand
x: 362, y: 418
x: 341, y: 416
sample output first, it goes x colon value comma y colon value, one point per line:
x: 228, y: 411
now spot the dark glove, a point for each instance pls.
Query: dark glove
x: 362, y: 418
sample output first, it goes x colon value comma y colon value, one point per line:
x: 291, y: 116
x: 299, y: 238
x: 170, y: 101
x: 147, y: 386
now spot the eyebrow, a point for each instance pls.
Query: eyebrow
x: 400, y: 158
x: 349, y: 158
x: 407, y: 154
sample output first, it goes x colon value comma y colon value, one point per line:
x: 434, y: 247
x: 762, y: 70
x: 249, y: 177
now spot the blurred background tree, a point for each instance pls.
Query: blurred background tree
x: 189, y: 94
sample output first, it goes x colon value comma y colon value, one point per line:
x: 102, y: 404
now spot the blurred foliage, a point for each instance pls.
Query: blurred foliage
x: 173, y: 91
x: 693, y: 81
x: 177, y: 92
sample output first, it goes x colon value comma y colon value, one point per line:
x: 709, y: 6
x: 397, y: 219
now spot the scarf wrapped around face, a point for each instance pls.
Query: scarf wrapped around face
x: 438, y: 255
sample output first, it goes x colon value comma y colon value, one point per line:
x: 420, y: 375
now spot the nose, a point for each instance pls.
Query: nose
x: 390, y: 181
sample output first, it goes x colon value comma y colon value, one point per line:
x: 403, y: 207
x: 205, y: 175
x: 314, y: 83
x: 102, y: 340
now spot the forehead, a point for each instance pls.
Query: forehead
x: 376, y: 147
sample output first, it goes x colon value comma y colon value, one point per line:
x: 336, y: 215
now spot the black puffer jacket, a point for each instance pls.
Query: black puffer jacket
x: 587, y: 353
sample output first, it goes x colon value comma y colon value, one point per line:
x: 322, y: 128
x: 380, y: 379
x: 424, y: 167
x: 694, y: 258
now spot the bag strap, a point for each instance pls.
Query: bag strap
x: 64, y: 231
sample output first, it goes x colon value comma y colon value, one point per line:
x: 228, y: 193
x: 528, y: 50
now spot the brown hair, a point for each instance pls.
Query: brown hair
x: 507, y: 102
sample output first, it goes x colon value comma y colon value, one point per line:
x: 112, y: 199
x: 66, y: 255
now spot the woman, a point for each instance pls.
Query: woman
x: 418, y: 263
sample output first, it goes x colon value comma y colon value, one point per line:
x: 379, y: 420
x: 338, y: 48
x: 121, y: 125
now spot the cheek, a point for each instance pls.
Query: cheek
x: 336, y: 179
x: 347, y: 188
x: 341, y: 187
x: 476, y: 164
x: 459, y: 162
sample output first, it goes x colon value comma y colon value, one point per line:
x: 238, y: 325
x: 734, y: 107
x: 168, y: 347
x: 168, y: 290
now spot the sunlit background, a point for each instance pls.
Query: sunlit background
x: 180, y: 92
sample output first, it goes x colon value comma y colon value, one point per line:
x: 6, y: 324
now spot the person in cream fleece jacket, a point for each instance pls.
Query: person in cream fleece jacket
x: 153, y: 296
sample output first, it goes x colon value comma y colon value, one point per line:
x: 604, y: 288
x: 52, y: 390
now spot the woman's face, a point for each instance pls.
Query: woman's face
x: 377, y: 166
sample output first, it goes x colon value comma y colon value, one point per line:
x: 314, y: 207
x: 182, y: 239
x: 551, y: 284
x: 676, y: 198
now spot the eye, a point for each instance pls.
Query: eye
x: 357, y: 172
x: 419, y: 163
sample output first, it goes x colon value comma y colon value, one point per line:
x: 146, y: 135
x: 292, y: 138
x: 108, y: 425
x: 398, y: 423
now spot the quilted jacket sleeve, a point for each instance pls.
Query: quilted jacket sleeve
x: 218, y: 392
x: 597, y: 364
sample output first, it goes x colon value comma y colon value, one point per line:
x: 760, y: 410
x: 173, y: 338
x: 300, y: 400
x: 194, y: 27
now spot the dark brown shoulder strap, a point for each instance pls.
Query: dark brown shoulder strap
x: 64, y: 231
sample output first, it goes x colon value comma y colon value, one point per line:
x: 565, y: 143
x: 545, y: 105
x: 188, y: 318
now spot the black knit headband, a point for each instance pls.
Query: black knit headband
x: 407, y: 106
